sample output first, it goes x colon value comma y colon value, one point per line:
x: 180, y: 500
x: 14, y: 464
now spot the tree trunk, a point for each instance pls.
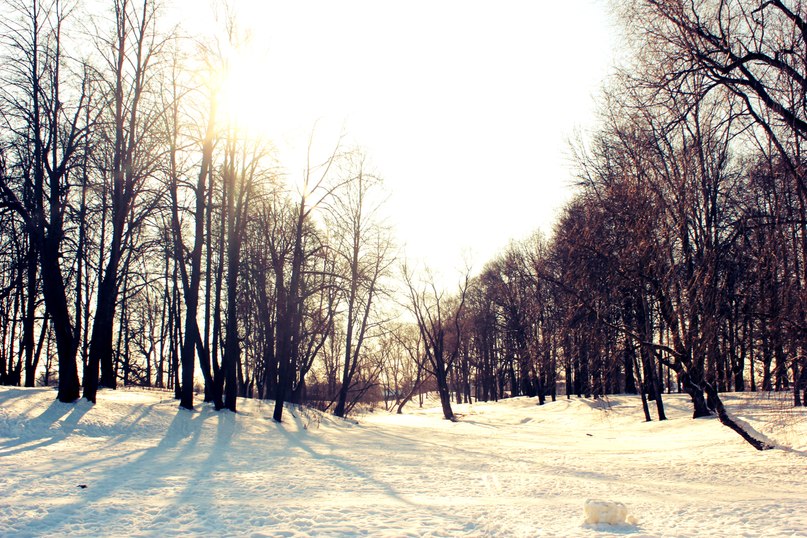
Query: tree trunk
x: 232, y: 349
x: 445, y: 394
x: 102, y: 330
x: 289, y: 327
x: 341, y: 400
x: 55, y: 296
x: 695, y: 392
x: 29, y: 319
x: 726, y: 420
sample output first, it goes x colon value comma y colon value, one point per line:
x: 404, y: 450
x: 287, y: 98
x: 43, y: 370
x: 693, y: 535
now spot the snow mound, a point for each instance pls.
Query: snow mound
x: 610, y: 512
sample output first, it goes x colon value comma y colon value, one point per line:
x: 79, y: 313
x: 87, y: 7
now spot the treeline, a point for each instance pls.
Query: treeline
x: 148, y: 239
x: 681, y: 263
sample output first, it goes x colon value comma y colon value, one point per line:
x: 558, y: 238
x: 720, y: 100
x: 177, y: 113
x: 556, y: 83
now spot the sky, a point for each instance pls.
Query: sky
x: 465, y: 108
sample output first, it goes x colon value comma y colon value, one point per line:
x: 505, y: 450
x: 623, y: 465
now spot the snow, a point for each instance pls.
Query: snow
x: 607, y: 512
x: 510, y: 468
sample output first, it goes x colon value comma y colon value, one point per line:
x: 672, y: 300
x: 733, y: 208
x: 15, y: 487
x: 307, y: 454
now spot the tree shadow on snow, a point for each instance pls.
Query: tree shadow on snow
x: 54, y: 424
x: 7, y: 394
x: 127, y: 430
x: 199, y: 487
x: 304, y: 443
x: 294, y: 440
x: 101, y: 479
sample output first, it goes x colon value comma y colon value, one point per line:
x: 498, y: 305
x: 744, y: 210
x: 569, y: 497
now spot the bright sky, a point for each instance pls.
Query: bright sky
x: 464, y: 108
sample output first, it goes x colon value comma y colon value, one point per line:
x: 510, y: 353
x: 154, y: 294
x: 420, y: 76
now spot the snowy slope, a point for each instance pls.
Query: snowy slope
x: 505, y: 469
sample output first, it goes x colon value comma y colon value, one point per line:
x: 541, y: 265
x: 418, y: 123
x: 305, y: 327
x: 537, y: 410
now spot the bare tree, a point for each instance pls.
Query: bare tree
x: 405, y: 368
x: 317, y: 187
x: 132, y: 49
x: 48, y: 115
x: 243, y: 167
x: 755, y: 49
x: 363, y: 245
x: 438, y: 318
x: 176, y: 119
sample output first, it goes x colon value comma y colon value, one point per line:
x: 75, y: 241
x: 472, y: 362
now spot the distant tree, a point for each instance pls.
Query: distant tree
x: 403, y: 368
x: 438, y: 318
x: 521, y: 317
x: 483, y: 324
x: 363, y: 246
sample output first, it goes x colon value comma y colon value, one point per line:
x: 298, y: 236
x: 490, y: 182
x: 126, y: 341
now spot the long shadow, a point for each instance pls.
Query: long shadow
x: 300, y: 441
x: 559, y: 466
x: 802, y: 453
x: 126, y: 430
x: 174, y: 429
x: 445, y: 447
x: 40, y: 431
x: 226, y: 427
x: 478, y: 424
x: 124, y: 477
x: 14, y: 393
x: 43, y: 424
x: 144, y: 411
x: 339, y: 463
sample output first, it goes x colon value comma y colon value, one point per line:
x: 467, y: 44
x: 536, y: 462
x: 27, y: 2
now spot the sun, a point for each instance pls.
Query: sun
x: 243, y: 96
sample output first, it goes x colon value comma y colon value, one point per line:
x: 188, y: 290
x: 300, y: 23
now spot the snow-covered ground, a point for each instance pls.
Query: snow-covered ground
x: 505, y: 469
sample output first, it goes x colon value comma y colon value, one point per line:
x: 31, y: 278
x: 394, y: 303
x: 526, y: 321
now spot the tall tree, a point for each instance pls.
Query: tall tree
x: 241, y: 169
x: 755, y: 49
x: 363, y: 245
x: 47, y: 114
x: 317, y: 187
x: 191, y: 276
x: 129, y: 55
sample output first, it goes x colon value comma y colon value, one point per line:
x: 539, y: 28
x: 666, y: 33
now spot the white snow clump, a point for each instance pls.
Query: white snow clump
x: 610, y: 512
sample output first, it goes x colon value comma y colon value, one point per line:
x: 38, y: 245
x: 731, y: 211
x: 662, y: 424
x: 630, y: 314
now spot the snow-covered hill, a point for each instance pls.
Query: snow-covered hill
x: 136, y: 465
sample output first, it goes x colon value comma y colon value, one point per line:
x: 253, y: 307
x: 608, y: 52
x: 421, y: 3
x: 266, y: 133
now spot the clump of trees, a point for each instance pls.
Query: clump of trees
x: 146, y: 233
x: 680, y: 263
x: 693, y: 203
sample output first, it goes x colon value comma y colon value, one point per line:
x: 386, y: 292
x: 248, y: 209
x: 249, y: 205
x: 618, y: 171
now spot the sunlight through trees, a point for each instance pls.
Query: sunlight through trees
x: 152, y: 234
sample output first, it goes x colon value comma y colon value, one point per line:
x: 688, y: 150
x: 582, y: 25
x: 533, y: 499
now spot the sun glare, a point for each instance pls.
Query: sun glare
x: 243, y: 95
x: 448, y: 105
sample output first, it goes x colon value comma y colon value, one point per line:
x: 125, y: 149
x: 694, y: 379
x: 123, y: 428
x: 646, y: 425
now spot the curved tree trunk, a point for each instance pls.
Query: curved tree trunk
x: 726, y: 420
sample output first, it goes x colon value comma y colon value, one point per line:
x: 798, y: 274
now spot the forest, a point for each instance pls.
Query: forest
x: 148, y: 241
